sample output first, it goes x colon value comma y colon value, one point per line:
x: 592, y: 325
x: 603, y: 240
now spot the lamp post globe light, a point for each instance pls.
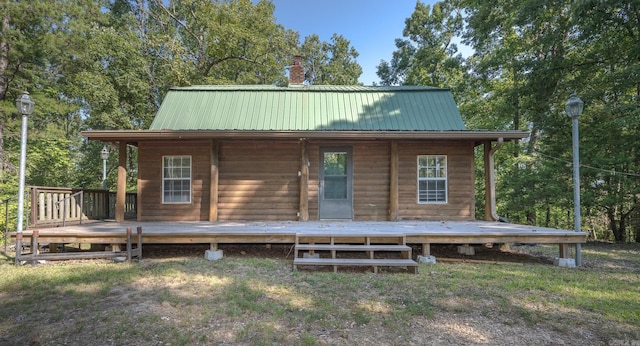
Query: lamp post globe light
x: 25, y: 106
x: 573, y: 108
x: 104, y: 154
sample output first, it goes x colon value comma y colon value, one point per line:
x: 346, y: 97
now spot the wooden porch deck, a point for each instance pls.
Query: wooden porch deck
x: 214, y: 233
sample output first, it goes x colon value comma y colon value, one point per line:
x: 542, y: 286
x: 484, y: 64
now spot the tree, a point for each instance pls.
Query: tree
x: 529, y: 56
x: 427, y: 55
x: 608, y: 70
x: 224, y: 42
x: 330, y: 63
x: 541, y: 52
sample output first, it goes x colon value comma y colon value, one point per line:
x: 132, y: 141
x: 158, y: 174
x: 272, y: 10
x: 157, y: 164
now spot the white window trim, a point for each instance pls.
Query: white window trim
x: 162, y: 192
x: 445, y: 179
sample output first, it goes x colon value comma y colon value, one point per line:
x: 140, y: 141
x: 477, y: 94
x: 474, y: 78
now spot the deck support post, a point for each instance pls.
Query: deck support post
x: 121, y: 191
x: 564, y: 260
x: 564, y: 250
x: 214, y: 180
x: 213, y: 254
x: 303, y: 209
x: 466, y: 249
x: 426, y: 249
x: 426, y: 257
x: 35, y: 243
x: 393, y: 183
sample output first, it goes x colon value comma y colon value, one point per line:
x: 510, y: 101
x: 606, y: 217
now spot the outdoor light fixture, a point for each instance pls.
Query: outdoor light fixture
x: 573, y: 108
x: 25, y: 106
x: 104, y: 154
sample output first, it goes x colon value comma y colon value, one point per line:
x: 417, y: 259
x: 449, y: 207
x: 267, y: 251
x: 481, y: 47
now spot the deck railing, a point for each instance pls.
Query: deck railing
x: 51, y: 206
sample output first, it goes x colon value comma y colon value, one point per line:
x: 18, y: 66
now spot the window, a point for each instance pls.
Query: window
x: 176, y: 179
x: 432, y: 179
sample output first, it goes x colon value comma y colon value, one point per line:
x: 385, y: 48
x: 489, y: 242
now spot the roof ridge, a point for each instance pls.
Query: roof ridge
x: 308, y: 88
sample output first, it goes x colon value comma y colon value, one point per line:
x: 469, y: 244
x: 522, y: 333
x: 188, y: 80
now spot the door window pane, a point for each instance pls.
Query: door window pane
x: 335, y: 187
x: 335, y: 175
x: 335, y: 164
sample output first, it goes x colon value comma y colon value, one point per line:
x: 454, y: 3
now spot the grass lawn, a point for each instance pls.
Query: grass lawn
x: 258, y: 300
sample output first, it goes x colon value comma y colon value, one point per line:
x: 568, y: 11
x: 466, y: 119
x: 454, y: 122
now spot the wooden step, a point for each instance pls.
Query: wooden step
x: 74, y: 255
x: 375, y: 263
x: 352, y: 247
x: 350, y: 238
x: 352, y: 242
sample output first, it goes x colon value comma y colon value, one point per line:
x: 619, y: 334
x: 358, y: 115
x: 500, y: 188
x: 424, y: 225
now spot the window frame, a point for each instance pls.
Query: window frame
x: 436, y: 179
x: 165, y: 179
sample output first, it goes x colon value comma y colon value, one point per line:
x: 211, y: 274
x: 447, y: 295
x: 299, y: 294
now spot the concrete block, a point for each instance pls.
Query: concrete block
x: 213, y: 255
x: 466, y: 250
x: 565, y: 262
x: 427, y: 259
x: 308, y: 255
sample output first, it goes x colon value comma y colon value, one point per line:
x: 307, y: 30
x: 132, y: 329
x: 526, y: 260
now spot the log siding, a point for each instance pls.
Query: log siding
x: 150, y: 180
x: 258, y: 181
x: 262, y: 180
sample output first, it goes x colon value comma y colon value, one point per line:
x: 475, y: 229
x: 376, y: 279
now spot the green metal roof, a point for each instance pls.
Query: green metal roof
x: 308, y: 108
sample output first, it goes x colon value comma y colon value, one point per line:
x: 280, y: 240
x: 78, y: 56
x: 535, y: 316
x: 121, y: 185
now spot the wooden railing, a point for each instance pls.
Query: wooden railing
x: 52, y: 206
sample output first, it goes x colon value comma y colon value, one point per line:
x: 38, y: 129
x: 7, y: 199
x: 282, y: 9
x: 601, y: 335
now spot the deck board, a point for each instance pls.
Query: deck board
x: 416, y: 232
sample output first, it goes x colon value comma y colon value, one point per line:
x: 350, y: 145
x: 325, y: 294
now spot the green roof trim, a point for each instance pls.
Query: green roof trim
x: 308, y: 108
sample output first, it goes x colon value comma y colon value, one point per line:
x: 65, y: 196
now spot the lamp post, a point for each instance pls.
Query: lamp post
x: 25, y: 107
x: 104, y: 154
x: 573, y: 108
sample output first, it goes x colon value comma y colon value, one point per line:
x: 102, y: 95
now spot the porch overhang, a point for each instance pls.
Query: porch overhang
x: 135, y: 136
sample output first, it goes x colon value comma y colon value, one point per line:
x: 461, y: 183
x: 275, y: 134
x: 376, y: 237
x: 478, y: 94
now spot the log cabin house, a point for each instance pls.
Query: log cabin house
x: 268, y: 153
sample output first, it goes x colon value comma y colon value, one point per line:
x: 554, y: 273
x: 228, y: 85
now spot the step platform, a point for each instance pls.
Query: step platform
x: 349, y: 250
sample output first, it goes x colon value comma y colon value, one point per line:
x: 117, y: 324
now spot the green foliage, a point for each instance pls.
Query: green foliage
x: 330, y: 63
x: 528, y: 57
x: 427, y: 55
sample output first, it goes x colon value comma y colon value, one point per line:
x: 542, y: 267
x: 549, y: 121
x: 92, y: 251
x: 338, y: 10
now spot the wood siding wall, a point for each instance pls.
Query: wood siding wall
x: 461, y: 189
x: 370, y: 179
x: 258, y: 180
x: 150, y: 181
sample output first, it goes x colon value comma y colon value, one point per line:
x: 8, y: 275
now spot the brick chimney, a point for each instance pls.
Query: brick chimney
x: 296, y: 71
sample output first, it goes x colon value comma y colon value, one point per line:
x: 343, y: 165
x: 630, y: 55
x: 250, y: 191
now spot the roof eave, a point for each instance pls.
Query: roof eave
x: 144, y: 135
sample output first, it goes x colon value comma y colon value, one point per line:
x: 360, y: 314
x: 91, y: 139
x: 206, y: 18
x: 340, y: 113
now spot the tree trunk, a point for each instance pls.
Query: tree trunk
x: 613, y: 225
x: 2, y: 165
x: 4, y: 58
x: 4, y: 63
x: 618, y: 225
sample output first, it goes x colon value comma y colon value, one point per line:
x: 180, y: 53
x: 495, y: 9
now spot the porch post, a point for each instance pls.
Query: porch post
x: 121, y: 191
x: 488, y: 172
x: 490, y: 213
x: 304, y: 182
x: 393, y: 183
x: 213, y: 189
x: 34, y: 206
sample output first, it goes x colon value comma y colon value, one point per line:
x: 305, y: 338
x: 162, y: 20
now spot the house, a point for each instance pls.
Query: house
x: 268, y: 153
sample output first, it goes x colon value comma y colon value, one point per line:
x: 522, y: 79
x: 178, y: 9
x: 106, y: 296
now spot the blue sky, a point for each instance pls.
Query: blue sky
x: 371, y: 25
